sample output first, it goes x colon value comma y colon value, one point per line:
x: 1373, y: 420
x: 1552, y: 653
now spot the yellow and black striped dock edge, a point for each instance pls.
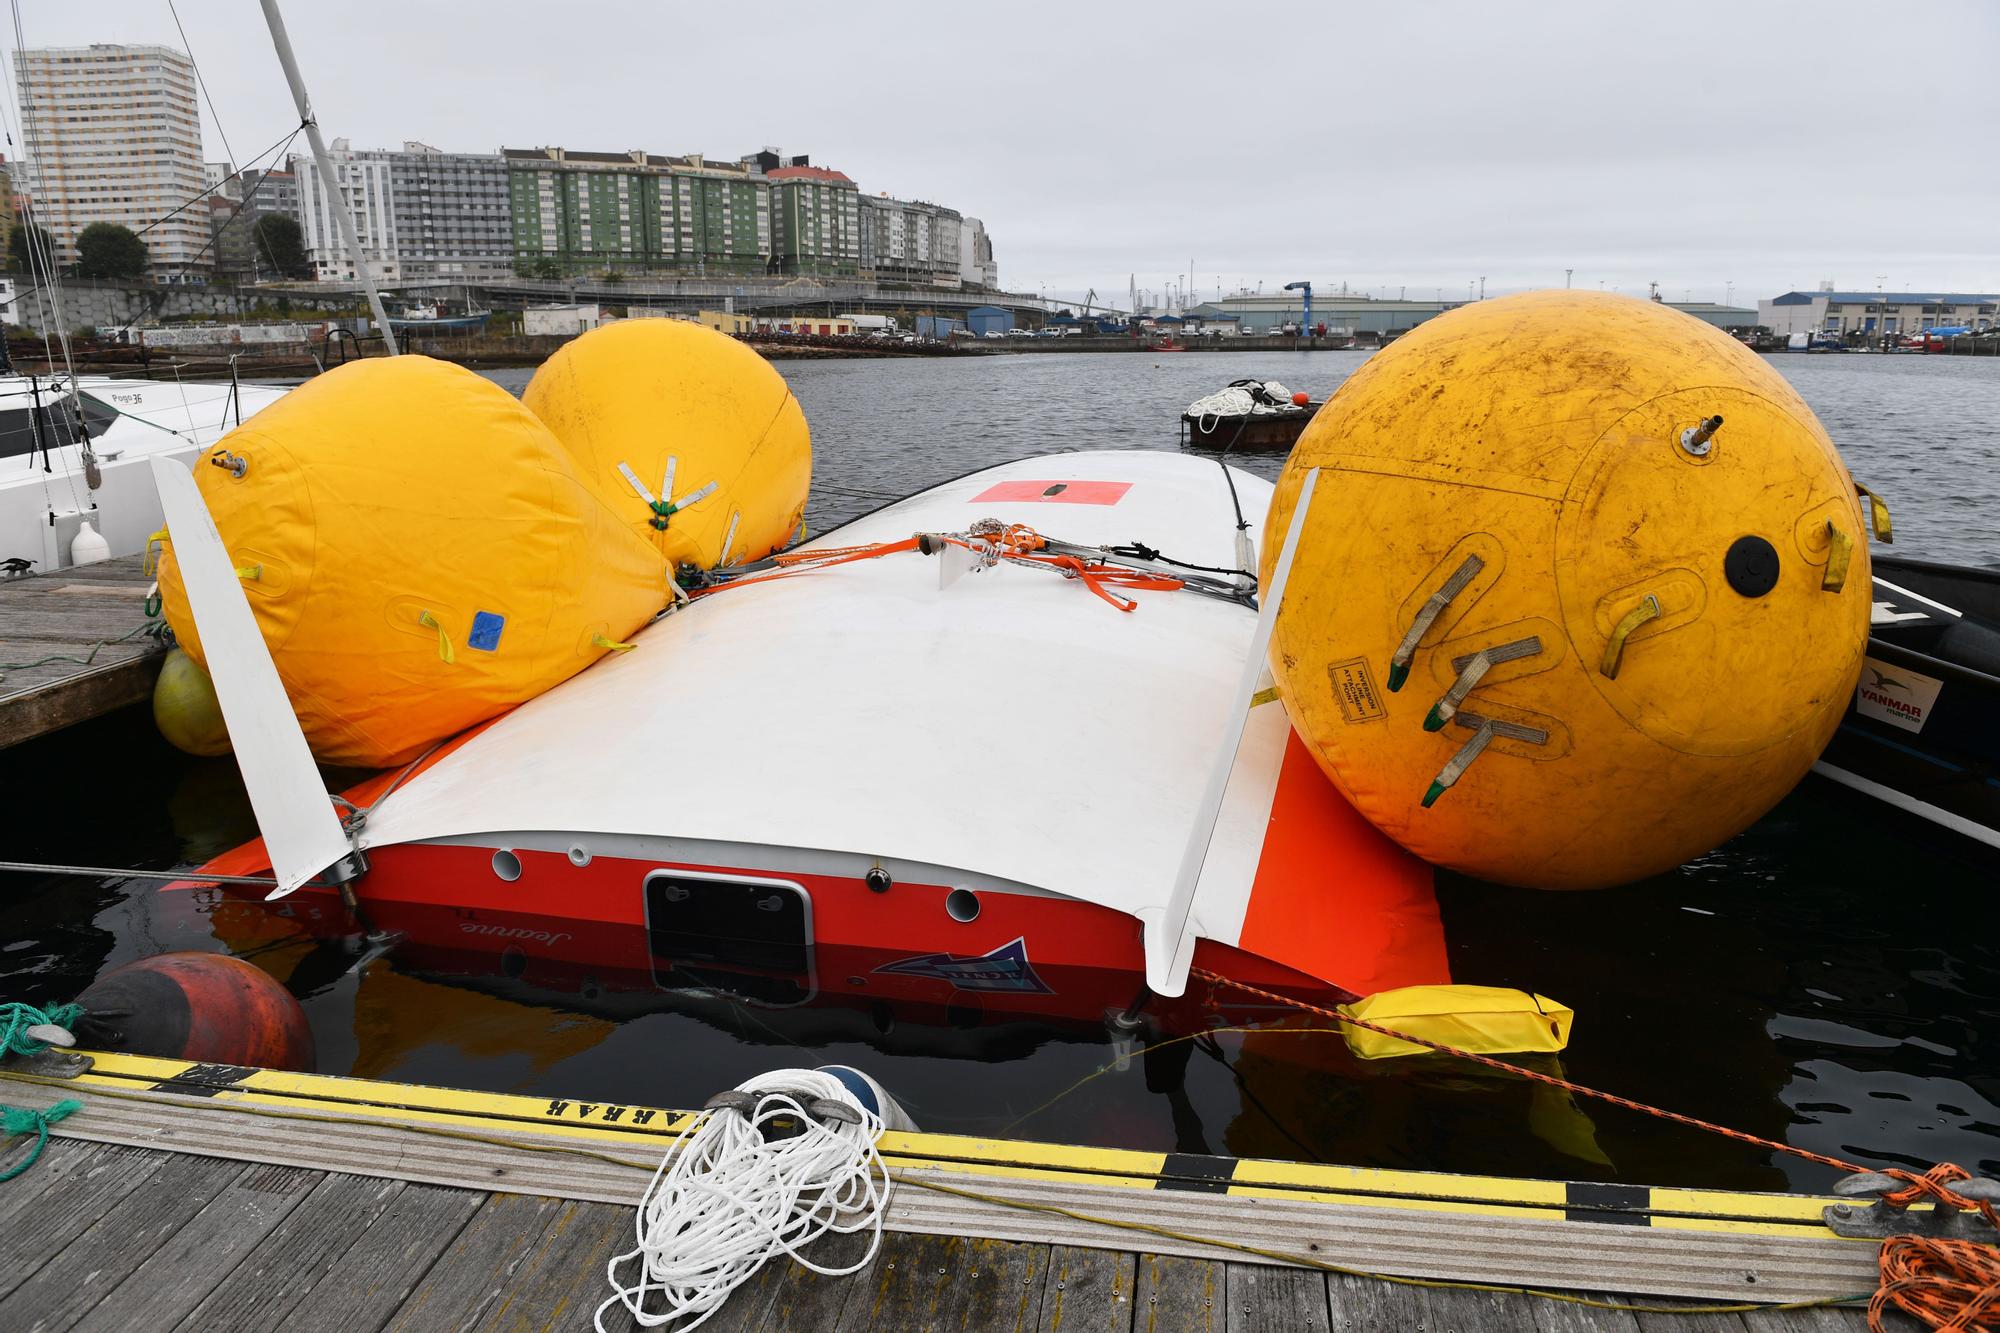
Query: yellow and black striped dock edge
x: 644, y: 1133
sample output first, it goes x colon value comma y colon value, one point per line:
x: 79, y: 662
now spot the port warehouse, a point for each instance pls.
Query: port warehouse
x: 1830, y: 311
x: 1259, y: 313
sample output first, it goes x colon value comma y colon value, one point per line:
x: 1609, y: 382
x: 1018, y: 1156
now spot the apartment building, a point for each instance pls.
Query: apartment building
x: 908, y: 240
x: 111, y: 134
x: 419, y: 212
x: 585, y: 211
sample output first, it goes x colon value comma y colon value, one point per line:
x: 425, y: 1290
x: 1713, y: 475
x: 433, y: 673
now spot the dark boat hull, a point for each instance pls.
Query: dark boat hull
x: 1269, y: 432
x: 1922, y: 733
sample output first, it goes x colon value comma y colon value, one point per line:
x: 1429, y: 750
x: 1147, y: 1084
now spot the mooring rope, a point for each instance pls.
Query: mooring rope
x: 1917, y: 1268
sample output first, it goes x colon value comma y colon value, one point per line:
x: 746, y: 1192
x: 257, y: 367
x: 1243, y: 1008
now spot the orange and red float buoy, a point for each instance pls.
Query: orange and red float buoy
x: 197, y: 1006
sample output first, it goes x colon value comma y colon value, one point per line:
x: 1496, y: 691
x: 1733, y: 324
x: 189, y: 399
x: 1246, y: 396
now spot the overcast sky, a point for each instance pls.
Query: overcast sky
x: 1402, y: 145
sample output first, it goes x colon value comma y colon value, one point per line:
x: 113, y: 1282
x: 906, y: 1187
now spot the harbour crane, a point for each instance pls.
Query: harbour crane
x: 1305, y: 323
x: 1089, y: 304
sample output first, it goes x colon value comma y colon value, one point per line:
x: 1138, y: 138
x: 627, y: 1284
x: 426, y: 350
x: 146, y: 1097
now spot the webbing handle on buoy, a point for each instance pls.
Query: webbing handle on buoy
x: 1839, y: 550
x: 1399, y: 661
x: 1454, y: 768
x: 1471, y: 672
x: 615, y: 645
x: 250, y: 573
x: 1878, y: 514
x: 1614, y: 651
x: 149, y: 561
x: 445, y: 654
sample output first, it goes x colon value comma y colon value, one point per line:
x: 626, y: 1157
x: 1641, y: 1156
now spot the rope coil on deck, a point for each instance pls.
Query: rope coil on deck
x: 786, y: 1158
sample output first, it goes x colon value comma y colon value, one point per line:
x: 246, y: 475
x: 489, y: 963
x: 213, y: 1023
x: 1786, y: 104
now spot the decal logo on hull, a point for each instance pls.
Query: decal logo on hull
x: 1896, y: 695
x: 1055, y: 492
x: 1004, y: 969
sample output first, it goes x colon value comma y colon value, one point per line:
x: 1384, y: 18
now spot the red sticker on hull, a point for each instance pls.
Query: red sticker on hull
x: 1056, y: 492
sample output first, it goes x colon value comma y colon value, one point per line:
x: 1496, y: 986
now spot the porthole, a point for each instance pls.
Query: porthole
x: 506, y: 865
x: 962, y: 905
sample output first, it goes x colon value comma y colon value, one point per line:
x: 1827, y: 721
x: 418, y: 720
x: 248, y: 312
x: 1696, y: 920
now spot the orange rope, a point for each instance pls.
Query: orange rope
x: 1016, y: 542
x: 1947, y: 1283
x: 826, y: 560
x: 1944, y: 1284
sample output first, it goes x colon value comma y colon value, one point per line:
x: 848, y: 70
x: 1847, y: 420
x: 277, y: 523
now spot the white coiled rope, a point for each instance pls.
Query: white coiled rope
x: 1238, y: 401
x: 730, y: 1197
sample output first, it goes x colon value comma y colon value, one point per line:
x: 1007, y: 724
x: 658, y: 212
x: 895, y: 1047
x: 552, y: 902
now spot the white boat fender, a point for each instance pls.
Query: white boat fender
x: 779, y: 1161
x: 88, y: 547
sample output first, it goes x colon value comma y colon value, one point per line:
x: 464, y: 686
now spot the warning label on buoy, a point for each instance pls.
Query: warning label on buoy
x: 1896, y: 695
x: 1354, y: 690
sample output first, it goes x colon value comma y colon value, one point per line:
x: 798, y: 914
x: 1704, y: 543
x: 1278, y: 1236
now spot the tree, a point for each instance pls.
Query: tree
x: 281, y: 244
x: 17, y: 248
x: 107, y: 250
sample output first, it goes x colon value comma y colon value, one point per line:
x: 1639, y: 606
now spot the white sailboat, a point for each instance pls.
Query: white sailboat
x: 75, y: 451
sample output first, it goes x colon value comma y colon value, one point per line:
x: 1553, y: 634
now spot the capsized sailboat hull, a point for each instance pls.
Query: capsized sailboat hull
x: 976, y: 784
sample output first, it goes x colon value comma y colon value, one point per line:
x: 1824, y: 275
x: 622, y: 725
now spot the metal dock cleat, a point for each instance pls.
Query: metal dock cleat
x: 1944, y: 1219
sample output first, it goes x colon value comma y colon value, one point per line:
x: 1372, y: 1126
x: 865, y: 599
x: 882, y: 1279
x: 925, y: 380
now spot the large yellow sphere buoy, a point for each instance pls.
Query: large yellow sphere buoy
x: 1582, y: 593
x: 668, y: 411
x: 420, y: 554
x: 185, y: 708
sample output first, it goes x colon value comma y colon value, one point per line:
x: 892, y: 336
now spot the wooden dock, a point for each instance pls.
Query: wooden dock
x: 82, y: 629
x: 205, y: 1197
x: 109, y: 1237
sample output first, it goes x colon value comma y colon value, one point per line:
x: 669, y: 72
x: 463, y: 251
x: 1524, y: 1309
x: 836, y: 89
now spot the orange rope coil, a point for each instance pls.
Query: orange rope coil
x: 1945, y: 1284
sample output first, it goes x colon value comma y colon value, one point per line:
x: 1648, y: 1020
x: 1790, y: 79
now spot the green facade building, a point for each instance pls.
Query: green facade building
x: 591, y: 212
x: 816, y: 220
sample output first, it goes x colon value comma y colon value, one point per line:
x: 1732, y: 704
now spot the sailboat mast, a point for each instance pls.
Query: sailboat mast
x: 336, y: 197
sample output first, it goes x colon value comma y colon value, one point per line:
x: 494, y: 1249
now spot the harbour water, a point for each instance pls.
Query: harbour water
x: 1829, y: 977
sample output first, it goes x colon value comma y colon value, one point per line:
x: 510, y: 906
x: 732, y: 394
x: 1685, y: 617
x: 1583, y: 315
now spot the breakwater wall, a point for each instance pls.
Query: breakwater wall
x: 89, y: 304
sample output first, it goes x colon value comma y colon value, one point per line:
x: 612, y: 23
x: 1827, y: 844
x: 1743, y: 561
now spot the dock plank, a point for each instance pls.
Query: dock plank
x: 297, y: 1253
x: 1570, y: 1317
x: 377, y: 1273
x: 747, y: 1310
x: 66, y: 1201
x: 82, y: 1269
x: 1087, y: 1291
x: 562, y: 1283
x: 1664, y: 1322
x: 479, y: 1265
x: 1172, y: 1294
x: 68, y: 613
x: 807, y: 1299
x: 906, y: 1286
x: 61, y: 1160
x: 1263, y: 1297
x: 993, y: 1284
x: 1470, y: 1311
x: 1824, y: 1319
x: 204, y: 1252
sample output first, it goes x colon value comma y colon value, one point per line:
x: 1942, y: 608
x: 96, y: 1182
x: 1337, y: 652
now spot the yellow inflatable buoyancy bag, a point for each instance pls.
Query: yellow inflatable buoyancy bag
x: 1583, y: 592
x: 420, y: 554
x: 653, y: 405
